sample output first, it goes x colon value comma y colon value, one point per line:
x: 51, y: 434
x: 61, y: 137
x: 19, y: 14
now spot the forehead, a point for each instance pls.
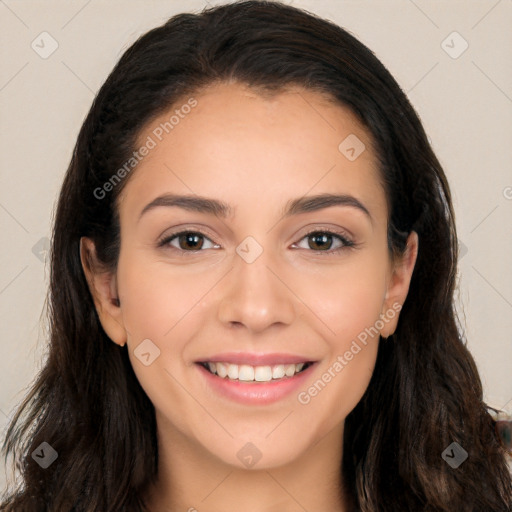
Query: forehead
x: 236, y: 144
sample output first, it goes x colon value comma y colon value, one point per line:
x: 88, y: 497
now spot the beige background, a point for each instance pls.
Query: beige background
x: 465, y: 104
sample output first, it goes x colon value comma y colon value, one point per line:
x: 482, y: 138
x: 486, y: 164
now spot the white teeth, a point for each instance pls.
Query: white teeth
x: 245, y: 372
x: 233, y: 371
x: 278, y: 371
x: 289, y: 370
x: 222, y: 370
x: 249, y: 373
x: 263, y: 373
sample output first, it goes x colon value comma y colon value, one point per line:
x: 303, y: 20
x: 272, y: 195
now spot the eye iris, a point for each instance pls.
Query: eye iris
x: 190, y: 239
x: 319, y: 239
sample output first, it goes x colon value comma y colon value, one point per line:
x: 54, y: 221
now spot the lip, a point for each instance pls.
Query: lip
x: 255, y: 359
x: 255, y: 393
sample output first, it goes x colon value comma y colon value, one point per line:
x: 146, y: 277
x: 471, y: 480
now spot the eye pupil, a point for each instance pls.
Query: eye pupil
x: 192, y: 239
x: 319, y: 239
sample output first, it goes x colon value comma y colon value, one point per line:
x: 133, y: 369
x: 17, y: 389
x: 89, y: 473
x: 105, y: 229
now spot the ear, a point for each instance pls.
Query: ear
x: 103, y: 288
x: 398, y: 286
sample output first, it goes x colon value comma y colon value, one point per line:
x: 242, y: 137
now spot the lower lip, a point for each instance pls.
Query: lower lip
x: 253, y: 392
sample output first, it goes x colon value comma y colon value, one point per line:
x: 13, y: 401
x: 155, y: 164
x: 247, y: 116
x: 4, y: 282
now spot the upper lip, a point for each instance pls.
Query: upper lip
x: 256, y: 359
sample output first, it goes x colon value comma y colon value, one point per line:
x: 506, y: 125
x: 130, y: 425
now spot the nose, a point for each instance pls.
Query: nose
x: 256, y: 296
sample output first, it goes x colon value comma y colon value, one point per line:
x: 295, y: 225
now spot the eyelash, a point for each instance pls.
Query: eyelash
x: 347, y: 244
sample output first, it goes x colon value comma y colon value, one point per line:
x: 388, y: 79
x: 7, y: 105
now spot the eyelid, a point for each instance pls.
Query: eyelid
x: 187, y: 228
x: 319, y: 228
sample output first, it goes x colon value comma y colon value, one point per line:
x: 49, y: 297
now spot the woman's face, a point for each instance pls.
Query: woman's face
x: 270, y: 276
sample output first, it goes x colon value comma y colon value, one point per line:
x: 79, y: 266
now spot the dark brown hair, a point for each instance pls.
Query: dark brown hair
x: 425, y: 392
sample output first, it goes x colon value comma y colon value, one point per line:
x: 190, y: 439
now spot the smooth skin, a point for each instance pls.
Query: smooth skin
x: 299, y: 296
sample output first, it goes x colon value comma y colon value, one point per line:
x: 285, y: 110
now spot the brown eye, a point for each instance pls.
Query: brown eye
x: 190, y: 240
x: 187, y: 241
x: 320, y: 241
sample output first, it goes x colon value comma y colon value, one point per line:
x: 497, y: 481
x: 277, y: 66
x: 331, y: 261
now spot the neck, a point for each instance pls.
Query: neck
x: 194, y: 480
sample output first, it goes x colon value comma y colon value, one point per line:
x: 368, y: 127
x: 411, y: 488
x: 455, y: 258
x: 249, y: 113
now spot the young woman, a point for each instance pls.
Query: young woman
x: 252, y: 274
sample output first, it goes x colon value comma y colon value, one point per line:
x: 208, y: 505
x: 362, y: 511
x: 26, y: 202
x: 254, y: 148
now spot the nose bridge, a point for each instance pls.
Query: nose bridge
x: 255, y: 296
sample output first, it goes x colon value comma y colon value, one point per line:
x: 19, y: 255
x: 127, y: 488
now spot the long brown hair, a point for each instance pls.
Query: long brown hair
x: 425, y: 392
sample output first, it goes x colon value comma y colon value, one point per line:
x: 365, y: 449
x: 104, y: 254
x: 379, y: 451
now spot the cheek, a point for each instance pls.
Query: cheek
x: 353, y: 315
x: 347, y: 297
x: 351, y: 347
x: 348, y: 300
x: 158, y: 305
x: 156, y: 296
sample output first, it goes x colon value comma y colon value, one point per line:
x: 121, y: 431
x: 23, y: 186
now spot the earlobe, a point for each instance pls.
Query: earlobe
x: 103, y: 288
x: 398, y: 286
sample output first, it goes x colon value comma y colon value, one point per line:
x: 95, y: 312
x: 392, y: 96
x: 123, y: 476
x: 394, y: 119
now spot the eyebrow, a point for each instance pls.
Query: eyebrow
x: 307, y: 204
x: 192, y: 203
x: 220, y: 209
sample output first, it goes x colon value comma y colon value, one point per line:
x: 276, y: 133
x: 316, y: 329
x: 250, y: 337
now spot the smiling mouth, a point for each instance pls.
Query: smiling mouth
x: 248, y: 373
